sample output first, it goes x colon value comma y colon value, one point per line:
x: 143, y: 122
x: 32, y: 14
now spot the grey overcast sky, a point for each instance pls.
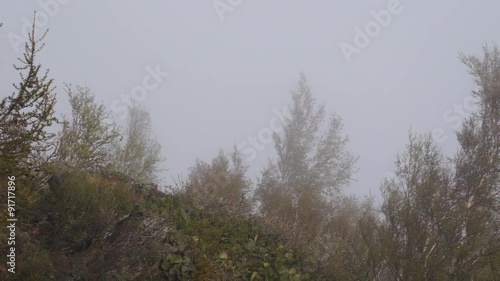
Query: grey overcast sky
x: 382, y: 65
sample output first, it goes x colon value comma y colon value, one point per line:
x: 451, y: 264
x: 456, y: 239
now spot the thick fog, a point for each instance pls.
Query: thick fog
x: 219, y: 73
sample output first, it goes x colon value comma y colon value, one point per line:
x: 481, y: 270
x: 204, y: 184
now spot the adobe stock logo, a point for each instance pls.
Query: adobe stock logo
x: 363, y: 37
x: 222, y: 7
x: 254, y: 144
x: 455, y: 116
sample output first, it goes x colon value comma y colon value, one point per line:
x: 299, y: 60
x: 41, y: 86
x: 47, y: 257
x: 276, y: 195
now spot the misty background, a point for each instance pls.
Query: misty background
x: 231, y: 66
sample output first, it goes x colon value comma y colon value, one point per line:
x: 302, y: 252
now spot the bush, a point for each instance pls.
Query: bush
x: 217, y: 245
x: 83, y: 205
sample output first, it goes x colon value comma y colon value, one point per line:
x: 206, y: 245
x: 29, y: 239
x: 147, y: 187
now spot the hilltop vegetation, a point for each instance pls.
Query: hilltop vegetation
x: 90, y: 226
x: 89, y: 205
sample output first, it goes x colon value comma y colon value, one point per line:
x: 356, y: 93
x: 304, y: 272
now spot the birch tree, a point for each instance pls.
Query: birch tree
x: 477, y: 176
x: 221, y: 181
x: 139, y: 153
x: 312, y: 163
x: 86, y: 140
x: 418, y: 231
x: 442, y: 223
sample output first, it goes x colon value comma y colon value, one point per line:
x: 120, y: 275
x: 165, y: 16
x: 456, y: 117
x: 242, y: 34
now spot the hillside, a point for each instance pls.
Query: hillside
x: 92, y: 226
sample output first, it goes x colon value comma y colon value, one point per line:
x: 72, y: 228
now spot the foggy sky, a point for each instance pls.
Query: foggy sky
x: 215, y: 73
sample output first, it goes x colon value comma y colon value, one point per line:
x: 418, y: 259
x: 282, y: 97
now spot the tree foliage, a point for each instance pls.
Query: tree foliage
x: 223, y: 180
x: 477, y: 178
x: 138, y: 154
x: 313, y: 163
x: 86, y: 141
x: 417, y: 233
x: 442, y: 223
x: 26, y: 115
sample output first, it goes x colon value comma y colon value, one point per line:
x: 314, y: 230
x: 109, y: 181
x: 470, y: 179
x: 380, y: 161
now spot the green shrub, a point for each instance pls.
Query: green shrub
x: 38, y: 265
x: 84, y: 206
x: 213, y: 245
